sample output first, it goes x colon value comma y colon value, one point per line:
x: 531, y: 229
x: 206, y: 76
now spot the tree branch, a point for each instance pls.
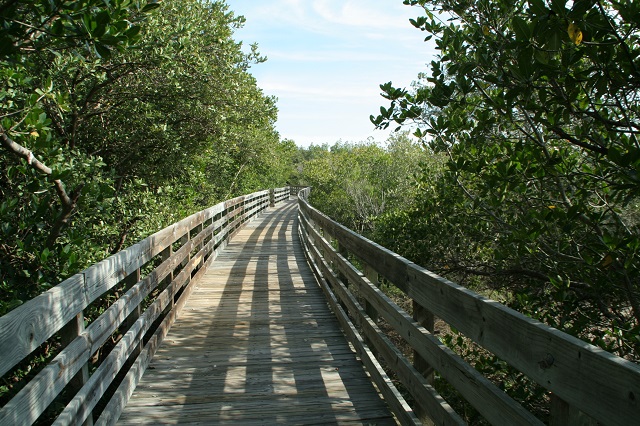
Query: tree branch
x: 68, y: 202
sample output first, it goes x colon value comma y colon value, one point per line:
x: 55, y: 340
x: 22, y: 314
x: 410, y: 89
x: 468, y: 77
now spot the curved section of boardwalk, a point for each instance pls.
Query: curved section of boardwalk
x: 257, y: 344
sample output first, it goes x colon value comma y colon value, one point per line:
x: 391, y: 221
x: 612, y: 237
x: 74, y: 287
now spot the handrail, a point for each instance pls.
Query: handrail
x: 295, y: 189
x: 584, y: 379
x: 154, y: 278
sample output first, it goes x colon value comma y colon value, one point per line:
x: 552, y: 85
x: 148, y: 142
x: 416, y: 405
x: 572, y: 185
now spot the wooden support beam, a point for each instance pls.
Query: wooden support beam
x: 68, y: 334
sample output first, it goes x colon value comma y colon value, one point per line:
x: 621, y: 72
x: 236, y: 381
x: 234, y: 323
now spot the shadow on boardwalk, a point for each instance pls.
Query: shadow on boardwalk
x: 257, y: 344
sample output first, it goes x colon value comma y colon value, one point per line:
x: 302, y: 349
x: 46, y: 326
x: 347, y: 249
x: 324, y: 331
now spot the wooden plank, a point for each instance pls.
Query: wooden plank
x: 390, y: 265
x: 118, y: 401
x: 81, y: 405
x: 596, y: 382
x: 233, y: 203
x: 86, y: 399
x: 562, y: 414
x: 23, y: 329
x: 487, y: 398
x: 253, y: 336
x: 427, y: 320
x: 397, y: 403
x: 213, y: 211
x: 36, y: 396
x: 124, y: 391
x: 589, y: 378
x: 286, y: 411
x: 425, y: 395
x: 28, y: 326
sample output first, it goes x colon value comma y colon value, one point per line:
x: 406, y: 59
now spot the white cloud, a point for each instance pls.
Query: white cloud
x: 339, y: 17
x: 345, y: 93
x: 327, y: 58
x: 335, y: 56
x: 359, y: 13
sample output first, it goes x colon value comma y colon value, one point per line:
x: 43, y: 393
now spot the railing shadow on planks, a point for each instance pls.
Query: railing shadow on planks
x: 589, y: 386
x: 153, y: 278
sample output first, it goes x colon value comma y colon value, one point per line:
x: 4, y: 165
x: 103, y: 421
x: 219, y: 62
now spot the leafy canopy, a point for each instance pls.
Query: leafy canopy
x: 534, y: 104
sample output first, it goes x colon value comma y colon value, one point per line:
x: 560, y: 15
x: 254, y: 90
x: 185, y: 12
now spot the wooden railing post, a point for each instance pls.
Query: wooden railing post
x: 130, y: 281
x: 427, y: 320
x: 272, y: 197
x: 166, y: 254
x: 243, y: 218
x: 183, y: 240
x: 563, y: 414
x: 345, y: 253
x: 372, y: 275
x: 68, y: 333
x: 198, y: 229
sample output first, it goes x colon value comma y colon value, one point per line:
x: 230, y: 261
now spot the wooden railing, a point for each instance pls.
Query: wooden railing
x: 295, y: 189
x: 587, y: 383
x: 142, y: 289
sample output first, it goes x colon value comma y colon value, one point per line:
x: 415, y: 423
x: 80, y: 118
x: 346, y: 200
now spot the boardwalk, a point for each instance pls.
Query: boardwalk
x: 257, y: 344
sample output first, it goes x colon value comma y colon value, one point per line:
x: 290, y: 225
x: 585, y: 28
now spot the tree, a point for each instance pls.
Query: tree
x: 39, y: 191
x: 535, y: 106
x: 114, y: 122
x: 357, y: 183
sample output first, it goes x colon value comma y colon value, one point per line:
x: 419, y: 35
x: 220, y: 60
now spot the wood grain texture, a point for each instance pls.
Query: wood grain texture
x: 26, y: 327
x: 594, y: 381
x: 342, y: 301
x: 496, y: 406
x: 257, y: 344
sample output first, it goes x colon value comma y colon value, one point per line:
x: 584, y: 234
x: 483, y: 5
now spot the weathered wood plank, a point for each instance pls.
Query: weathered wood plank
x: 399, y: 406
x: 439, y: 410
x: 286, y: 411
x: 84, y: 401
x: 596, y: 382
x: 124, y: 391
x: 257, y: 334
x: 487, y: 398
x: 25, y: 328
x: 34, y: 398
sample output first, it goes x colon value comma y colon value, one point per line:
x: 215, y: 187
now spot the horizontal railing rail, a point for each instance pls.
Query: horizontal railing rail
x: 295, y: 189
x: 588, y: 385
x: 148, y: 284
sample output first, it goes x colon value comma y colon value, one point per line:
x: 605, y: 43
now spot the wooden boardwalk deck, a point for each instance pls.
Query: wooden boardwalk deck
x: 257, y: 344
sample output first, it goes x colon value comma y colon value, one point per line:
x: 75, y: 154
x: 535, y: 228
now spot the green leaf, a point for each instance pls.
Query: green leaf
x: 102, y: 20
x: 153, y: 4
x: 44, y: 255
x: 558, y: 6
x: 542, y: 56
x: 554, y: 40
x: 102, y: 50
x: 89, y: 22
x: 538, y: 8
x: 525, y: 62
x: 133, y: 31
x: 618, y: 157
x: 521, y: 29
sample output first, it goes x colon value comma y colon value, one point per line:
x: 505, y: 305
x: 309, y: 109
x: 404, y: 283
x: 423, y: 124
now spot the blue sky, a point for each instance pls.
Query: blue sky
x: 327, y: 58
